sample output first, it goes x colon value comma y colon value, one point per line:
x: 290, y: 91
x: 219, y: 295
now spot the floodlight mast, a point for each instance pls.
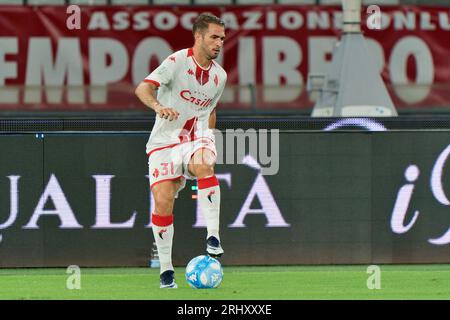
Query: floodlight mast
x: 352, y: 85
x: 351, y: 16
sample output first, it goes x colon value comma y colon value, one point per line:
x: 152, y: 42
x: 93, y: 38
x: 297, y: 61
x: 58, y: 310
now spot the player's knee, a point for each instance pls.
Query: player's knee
x: 203, y: 157
x: 202, y: 163
x: 203, y: 170
x: 208, y: 158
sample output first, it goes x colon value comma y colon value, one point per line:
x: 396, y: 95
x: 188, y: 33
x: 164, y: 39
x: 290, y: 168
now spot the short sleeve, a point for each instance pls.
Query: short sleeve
x: 164, y: 74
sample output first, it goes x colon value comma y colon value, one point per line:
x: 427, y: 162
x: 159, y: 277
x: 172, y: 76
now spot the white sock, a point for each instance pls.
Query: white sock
x: 209, y: 200
x: 163, y: 232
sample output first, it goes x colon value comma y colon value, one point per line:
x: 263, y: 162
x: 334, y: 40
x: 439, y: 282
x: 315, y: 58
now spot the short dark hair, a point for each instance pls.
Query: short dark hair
x: 202, y: 22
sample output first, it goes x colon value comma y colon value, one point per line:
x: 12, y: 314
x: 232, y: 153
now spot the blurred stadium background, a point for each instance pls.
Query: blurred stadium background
x: 73, y: 184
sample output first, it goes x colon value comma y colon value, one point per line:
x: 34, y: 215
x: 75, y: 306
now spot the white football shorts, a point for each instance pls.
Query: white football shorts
x: 171, y: 162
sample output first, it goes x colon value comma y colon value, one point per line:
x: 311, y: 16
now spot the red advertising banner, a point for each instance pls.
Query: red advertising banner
x: 90, y: 58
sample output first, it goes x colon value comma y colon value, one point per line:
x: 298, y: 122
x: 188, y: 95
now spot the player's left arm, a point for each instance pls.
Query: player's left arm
x: 212, y: 119
x: 212, y: 115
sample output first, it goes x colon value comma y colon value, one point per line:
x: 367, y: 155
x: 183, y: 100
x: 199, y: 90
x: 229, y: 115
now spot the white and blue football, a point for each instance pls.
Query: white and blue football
x: 204, y: 272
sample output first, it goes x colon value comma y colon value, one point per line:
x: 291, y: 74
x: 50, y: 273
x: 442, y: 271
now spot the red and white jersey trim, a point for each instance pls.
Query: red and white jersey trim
x: 152, y: 81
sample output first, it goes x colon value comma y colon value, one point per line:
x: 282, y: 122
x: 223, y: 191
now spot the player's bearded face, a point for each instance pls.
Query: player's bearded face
x: 212, y: 41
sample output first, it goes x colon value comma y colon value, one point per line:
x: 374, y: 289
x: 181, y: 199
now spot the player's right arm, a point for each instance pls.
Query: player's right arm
x: 146, y: 92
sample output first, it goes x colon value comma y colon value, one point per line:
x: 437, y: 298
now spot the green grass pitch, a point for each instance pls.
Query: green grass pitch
x: 240, y: 283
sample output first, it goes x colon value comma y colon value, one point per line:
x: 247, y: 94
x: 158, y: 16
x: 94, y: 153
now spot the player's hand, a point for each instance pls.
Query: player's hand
x: 167, y: 113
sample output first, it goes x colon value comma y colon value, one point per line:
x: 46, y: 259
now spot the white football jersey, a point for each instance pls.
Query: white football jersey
x: 191, y: 90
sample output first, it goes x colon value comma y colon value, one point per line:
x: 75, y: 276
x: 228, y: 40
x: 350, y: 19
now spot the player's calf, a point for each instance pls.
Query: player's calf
x: 163, y: 230
x: 202, y: 166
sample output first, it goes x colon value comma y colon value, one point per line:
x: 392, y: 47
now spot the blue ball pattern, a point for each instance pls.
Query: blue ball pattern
x: 204, y: 272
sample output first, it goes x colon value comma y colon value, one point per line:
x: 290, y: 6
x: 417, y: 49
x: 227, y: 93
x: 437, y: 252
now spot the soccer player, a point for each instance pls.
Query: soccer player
x: 184, y: 91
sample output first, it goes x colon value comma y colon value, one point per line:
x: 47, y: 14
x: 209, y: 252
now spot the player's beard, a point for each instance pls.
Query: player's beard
x: 215, y: 55
x: 210, y: 54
